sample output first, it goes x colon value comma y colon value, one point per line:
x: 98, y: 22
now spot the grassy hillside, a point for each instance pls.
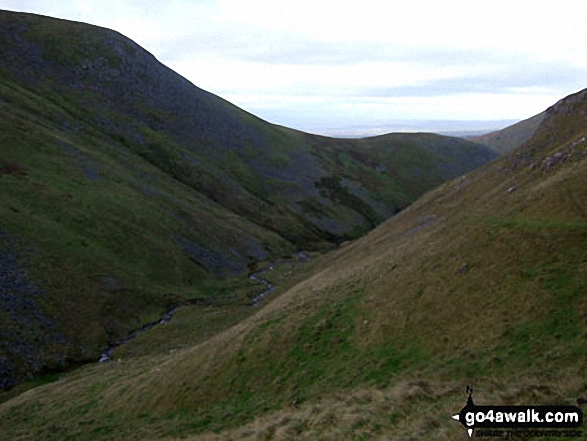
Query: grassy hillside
x: 505, y: 140
x: 125, y: 190
x: 482, y: 281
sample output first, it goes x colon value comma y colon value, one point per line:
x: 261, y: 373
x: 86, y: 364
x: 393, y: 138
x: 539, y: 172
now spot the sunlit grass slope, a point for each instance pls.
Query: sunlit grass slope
x: 482, y: 281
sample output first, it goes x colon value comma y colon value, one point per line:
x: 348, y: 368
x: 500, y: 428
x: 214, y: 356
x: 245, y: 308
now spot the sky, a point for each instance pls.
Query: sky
x: 365, y: 67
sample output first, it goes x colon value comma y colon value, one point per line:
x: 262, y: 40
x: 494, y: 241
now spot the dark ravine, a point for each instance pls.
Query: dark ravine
x: 107, y: 355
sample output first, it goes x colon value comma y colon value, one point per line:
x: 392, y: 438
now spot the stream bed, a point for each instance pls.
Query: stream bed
x: 107, y: 355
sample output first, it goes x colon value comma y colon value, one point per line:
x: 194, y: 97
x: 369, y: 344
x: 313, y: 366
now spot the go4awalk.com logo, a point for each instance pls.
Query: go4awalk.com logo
x: 532, y: 421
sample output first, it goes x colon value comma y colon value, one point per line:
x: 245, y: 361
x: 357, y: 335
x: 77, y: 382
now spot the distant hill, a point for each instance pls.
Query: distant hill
x: 507, y: 139
x: 125, y: 190
x: 480, y: 282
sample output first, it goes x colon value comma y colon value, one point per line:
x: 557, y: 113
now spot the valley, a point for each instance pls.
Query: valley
x: 241, y: 280
x: 128, y: 190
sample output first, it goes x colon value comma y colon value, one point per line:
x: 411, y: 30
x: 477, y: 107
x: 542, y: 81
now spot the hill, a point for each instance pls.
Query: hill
x: 125, y: 190
x: 482, y: 281
x: 505, y: 140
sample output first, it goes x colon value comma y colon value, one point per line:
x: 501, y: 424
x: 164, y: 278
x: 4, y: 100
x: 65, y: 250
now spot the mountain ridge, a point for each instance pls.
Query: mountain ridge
x: 217, y: 129
x: 137, y: 191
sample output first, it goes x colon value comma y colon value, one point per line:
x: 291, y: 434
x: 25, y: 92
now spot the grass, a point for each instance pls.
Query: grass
x: 105, y: 192
x: 307, y: 366
x: 87, y: 230
x: 469, y: 285
x: 139, y: 190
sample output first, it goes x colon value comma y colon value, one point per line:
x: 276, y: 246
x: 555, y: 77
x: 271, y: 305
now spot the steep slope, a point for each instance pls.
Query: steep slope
x: 505, y: 140
x: 239, y: 161
x: 125, y: 189
x: 482, y: 281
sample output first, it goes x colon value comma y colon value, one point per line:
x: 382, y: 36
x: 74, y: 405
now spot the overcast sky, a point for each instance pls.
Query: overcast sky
x: 339, y: 66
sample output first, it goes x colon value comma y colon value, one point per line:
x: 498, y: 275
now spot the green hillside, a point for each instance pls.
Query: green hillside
x: 126, y: 190
x: 482, y: 281
x: 505, y: 140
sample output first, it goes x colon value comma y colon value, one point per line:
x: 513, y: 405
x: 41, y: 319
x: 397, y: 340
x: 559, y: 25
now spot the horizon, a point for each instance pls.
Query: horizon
x: 345, y: 70
x: 456, y: 128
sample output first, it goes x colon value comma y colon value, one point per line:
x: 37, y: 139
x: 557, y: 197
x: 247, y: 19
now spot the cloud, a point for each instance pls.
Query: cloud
x: 525, y: 77
x: 255, y: 47
x: 352, y: 61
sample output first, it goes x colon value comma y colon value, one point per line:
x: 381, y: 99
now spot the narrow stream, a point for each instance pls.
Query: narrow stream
x: 270, y: 287
x: 168, y: 316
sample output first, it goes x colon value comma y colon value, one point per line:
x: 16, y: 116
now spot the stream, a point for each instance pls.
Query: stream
x: 270, y: 287
x: 168, y: 316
